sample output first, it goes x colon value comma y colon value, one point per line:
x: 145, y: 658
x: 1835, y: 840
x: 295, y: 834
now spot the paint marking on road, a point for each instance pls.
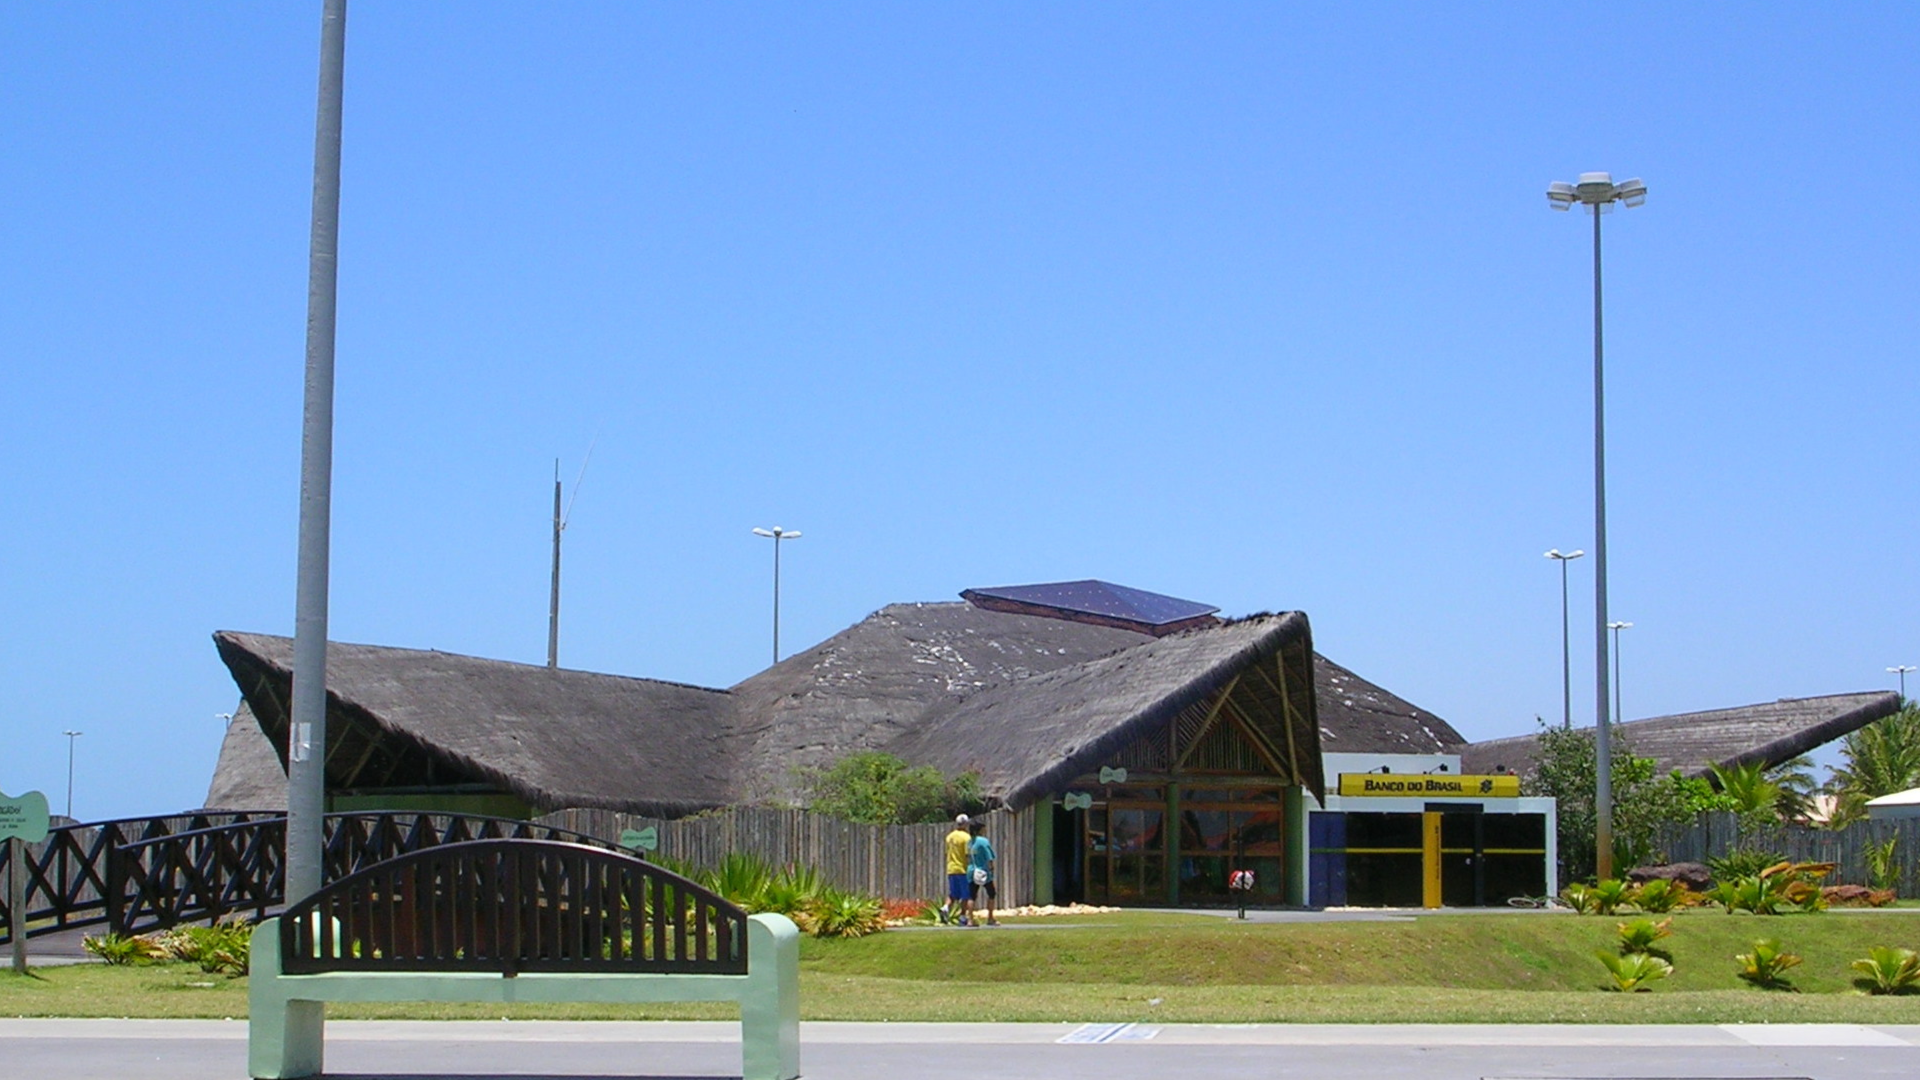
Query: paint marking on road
x: 1109, y: 1033
x: 1811, y: 1035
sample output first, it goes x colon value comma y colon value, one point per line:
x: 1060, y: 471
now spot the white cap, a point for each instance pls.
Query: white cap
x: 961, y: 820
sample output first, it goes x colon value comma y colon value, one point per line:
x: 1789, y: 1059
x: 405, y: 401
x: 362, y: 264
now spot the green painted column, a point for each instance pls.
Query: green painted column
x: 1043, y: 852
x: 1297, y: 862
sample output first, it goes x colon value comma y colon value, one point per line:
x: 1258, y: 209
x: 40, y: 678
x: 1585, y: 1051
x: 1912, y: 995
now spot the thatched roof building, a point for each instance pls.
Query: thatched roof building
x: 1029, y: 701
x: 1768, y: 733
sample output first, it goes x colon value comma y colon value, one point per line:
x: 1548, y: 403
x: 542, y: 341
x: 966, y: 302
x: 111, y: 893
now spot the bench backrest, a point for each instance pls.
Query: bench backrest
x: 513, y: 905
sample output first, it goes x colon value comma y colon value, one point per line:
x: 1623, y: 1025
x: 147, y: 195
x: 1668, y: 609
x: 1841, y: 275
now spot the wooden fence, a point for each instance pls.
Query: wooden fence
x: 892, y: 861
x: 1714, y: 835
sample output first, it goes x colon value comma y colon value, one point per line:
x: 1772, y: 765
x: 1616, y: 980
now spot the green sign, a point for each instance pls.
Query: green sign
x: 647, y: 839
x: 1112, y: 776
x: 1077, y: 800
x: 23, y: 817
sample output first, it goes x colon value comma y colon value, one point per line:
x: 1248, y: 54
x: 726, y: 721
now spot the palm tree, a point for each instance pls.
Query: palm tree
x: 1748, y: 786
x: 1879, y: 759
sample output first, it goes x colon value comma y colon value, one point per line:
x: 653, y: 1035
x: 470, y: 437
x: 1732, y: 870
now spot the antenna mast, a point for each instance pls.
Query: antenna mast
x: 553, y: 600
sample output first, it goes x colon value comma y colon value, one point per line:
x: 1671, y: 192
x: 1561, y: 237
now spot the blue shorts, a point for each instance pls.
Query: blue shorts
x: 959, y: 887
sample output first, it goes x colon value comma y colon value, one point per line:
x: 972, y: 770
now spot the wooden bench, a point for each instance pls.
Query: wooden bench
x: 519, y: 920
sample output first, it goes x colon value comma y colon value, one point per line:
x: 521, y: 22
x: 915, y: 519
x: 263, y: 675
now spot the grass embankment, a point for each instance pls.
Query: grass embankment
x: 1478, y: 968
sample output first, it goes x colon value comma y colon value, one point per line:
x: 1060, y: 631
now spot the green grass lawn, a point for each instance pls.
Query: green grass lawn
x: 1518, y: 967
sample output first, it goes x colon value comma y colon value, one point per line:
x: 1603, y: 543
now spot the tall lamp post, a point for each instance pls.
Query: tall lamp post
x: 1616, y: 627
x: 1598, y: 192
x: 1902, y: 672
x: 1566, y: 638
x: 777, y: 534
x: 71, y: 735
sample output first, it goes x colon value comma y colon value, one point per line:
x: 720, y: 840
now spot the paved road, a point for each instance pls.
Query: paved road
x: 208, y: 1049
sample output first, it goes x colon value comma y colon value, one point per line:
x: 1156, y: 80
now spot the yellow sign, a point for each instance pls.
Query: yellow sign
x: 1429, y: 785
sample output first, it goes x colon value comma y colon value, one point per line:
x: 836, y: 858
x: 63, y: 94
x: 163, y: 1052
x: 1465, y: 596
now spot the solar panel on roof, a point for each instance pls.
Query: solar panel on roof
x: 1102, y: 598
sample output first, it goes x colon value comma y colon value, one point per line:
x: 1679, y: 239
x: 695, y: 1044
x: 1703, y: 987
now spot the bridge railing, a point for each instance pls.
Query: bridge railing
x: 141, y: 874
x: 67, y: 873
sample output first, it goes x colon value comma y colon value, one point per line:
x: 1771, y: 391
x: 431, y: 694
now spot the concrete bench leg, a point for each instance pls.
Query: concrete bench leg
x: 284, y: 1038
x: 770, y: 1010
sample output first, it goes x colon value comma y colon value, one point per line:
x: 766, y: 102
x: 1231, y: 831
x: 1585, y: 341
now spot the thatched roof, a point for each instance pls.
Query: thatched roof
x: 1768, y: 733
x: 249, y: 775
x: 1028, y: 738
x: 554, y: 737
x: 1025, y: 699
x: 865, y: 686
x: 1357, y: 717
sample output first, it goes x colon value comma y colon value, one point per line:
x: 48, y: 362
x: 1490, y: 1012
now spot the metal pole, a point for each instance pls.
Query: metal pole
x: 776, y: 597
x: 17, y: 903
x: 307, y: 737
x: 1603, y: 741
x: 1566, y: 654
x: 553, y: 598
x: 70, y: 737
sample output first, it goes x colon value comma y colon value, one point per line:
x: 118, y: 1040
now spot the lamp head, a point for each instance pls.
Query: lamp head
x: 761, y: 532
x: 1560, y: 195
x: 1631, y: 192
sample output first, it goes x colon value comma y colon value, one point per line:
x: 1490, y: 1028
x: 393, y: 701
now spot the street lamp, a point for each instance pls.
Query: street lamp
x: 71, y: 735
x: 1616, y: 627
x: 1566, y: 640
x: 1598, y: 192
x: 777, y: 534
x: 1902, y: 672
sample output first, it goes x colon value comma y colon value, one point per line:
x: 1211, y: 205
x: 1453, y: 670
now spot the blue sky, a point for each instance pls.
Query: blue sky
x: 1257, y: 306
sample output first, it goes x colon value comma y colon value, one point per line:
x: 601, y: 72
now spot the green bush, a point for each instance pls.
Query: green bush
x: 1640, y: 936
x: 1661, y: 895
x: 118, y: 949
x: 1579, y: 896
x: 1766, y: 966
x: 1883, y: 864
x: 1611, y: 895
x: 1779, y: 889
x: 1742, y: 863
x: 880, y: 789
x: 1888, y: 971
x: 1634, y: 971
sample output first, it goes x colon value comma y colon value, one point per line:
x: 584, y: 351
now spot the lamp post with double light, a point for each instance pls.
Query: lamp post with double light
x: 1566, y: 638
x: 1616, y: 627
x: 1902, y: 672
x: 71, y: 735
x: 777, y: 534
x: 1597, y: 192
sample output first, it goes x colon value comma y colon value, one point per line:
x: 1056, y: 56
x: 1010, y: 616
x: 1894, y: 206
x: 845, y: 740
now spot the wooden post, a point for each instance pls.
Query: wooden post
x: 17, y: 903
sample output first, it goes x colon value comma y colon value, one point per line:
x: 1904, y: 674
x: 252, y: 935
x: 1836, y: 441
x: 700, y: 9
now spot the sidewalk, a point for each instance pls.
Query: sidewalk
x: 207, y: 1049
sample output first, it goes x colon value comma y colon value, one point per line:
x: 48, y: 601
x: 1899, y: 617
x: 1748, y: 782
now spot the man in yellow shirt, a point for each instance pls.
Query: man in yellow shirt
x: 959, y: 905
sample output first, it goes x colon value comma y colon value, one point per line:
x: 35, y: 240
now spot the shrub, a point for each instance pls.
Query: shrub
x: 1579, y: 896
x: 1883, y: 865
x: 880, y: 789
x: 843, y: 914
x: 1777, y: 889
x: 1662, y: 895
x: 1888, y: 971
x: 1766, y: 966
x: 897, y: 912
x: 120, y: 949
x: 1742, y: 863
x: 1634, y: 971
x: 1640, y: 935
x: 1611, y: 895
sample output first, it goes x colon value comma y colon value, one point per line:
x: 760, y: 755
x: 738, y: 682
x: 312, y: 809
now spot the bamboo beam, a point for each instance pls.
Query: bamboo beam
x: 1213, y: 713
x: 1288, y: 714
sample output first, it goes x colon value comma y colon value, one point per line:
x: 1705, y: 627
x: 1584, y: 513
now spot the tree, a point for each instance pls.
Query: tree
x: 1642, y: 802
x: 880, y: 789
x: 1881, y: 758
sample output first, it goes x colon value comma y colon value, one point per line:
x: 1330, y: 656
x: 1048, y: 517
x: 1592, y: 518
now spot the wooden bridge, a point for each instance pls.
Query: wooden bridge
x: 132, y: 875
